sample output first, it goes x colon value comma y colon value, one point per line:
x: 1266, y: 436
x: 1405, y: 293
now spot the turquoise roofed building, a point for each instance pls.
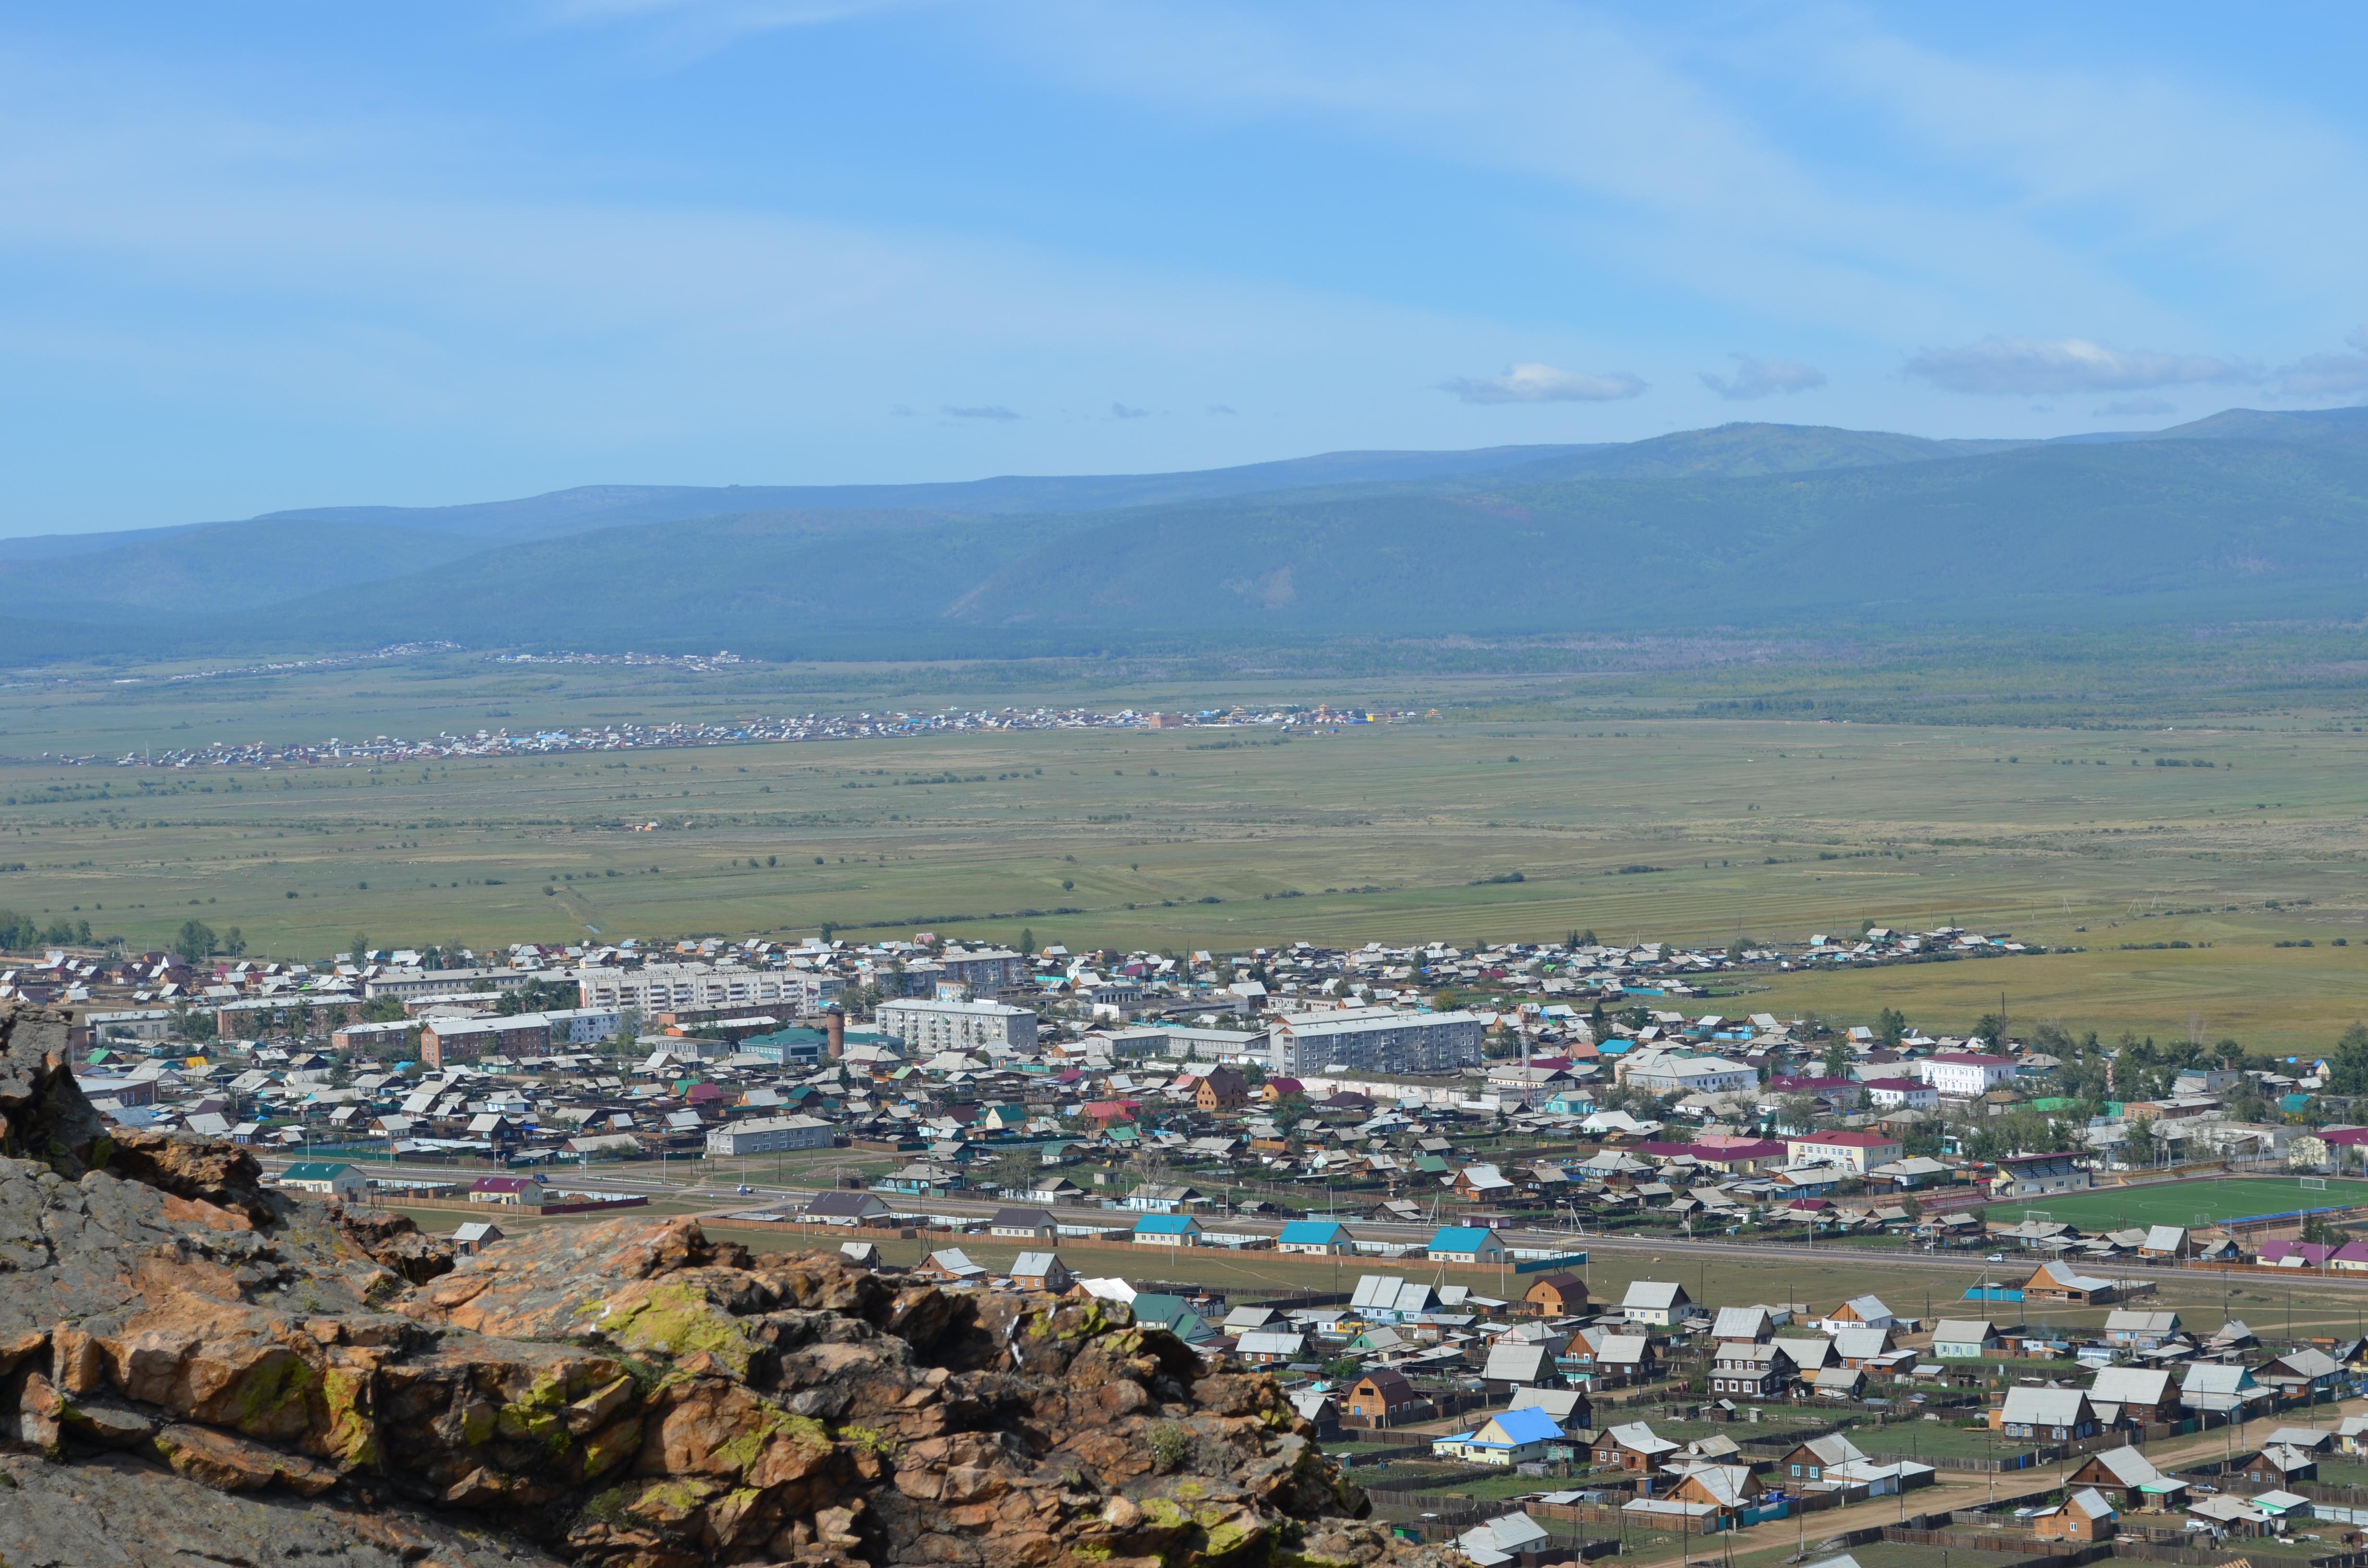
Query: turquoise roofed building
x: 1167, y: 1230
x: 1466, y: 1243
x: 1328, y: 1236
x: 1513, y: 1436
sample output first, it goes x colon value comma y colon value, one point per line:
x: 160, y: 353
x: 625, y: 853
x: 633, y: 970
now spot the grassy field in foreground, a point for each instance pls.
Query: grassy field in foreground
x: 2184, y: 1202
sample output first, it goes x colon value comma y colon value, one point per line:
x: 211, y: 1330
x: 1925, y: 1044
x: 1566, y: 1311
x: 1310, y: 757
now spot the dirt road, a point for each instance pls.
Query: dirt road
x: 1958, y: 1489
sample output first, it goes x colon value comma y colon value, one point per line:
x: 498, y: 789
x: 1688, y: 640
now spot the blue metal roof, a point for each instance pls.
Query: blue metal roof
x: 1167, y: 1225
x: 1527, y: 1424
x: 1319, y: 1230
x: 1462, y: 1238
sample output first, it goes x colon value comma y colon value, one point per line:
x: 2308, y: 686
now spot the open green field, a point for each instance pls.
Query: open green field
x: 2184, y: 1202
x: 1622, y: 814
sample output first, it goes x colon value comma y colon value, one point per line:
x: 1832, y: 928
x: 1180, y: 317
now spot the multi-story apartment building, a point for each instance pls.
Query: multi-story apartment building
x: 1380, y: 1040
x: 660, y: 985
x: 410, y: 982
x: 923, y: 1024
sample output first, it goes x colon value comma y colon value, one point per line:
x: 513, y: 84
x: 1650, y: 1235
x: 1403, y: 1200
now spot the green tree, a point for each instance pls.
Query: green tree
x: 1837, y: 1058
x: 1890, y: 1024
x: 2348, y: 1069
x: 1028, y: 940
x: 2138, y: 1148
x: 382, y: 1010
x: 1014, y: 1171
x: 233, y: 941
x: 195, y: 940
x: 361, y: 953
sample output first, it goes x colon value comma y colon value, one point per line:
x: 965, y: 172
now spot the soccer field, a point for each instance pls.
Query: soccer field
x: 2181, y: 1202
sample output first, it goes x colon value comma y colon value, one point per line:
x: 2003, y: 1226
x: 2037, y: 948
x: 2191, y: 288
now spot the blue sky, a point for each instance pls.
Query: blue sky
x: 269, y: 255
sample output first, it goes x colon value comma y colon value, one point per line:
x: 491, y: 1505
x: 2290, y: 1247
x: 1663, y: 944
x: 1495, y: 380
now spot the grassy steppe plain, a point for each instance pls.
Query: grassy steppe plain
x: 1679, y: 828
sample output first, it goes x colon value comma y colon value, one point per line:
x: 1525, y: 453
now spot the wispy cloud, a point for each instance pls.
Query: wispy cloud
x: 689, y: 28
x: 2018, y: 366
x: 2328, y: 375
x: 2124, y: 408
x: 1220, y: 408
x: 979, y: 411
x: 1544, y: 384
x: 1121, y: 411
x: 1763, y: 377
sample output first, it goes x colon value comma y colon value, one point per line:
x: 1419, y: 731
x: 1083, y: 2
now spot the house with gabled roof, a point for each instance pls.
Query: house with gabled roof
x: 1023, y: 1224
x: 837, y: 1208
x: 2133, y: 1396
x: 1963, y: 1339
x: 1660, y: 1303
x: 1166, y: 1230
x: 2060, y: 1281
x: 1508, y: 1542
x: 1557, y: 1294
x: 1465, y: 1243
x: 2084, y: 1515
x: 2052, y: 1416
x: 1384, y: 1398
x: 1752, y: 1324
x: 2146, y: 1329
x: 1632, y: 1447
x: 950, y: 1264
x: 1042, y: 1271
x: 1267, y: 1346
x: 2129, y: 1478
x: 1810, y: 1460
x: 1509, y: 1438
x: 330, y: 1178
x: 1858, y: 1311
x: 1327, y: 1237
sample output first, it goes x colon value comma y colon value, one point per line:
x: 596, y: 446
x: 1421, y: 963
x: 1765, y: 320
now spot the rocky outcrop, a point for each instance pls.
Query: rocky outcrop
x: 394, y: 1241
x: 623, y: 1395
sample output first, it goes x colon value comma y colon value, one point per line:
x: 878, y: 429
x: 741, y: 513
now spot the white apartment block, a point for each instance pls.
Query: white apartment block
x: 923, y: 1024
x: 1963, y: 1075
x: 411, y: 983
x: 988, y: 969
x: 662, y: 985
x: 1376, y: 1040
x: 769, y: 1135
x: 1665, y: 1071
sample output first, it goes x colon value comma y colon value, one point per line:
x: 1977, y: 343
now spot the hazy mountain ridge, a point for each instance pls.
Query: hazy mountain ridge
x: 1744, y: 524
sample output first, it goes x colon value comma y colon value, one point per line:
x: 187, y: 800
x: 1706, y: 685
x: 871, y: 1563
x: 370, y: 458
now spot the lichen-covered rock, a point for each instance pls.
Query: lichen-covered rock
x: 624, y: 1395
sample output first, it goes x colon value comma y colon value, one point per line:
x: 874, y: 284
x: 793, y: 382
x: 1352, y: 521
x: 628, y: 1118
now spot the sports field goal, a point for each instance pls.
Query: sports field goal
x: 2040, y: 1215
x: 2314, y: 1184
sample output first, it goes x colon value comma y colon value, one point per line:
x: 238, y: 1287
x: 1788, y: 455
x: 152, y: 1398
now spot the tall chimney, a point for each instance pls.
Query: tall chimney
x: 833, y: 1023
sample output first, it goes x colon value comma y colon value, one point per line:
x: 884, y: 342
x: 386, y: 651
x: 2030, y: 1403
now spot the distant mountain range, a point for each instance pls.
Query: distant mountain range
x: 2245, y: 514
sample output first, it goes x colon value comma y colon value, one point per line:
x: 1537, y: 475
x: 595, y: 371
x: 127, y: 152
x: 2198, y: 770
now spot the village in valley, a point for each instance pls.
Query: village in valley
x: 1974, y: 1290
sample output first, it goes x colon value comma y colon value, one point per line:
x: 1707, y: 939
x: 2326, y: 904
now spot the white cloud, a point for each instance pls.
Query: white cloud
x: 980, y: 411
x: 2016, y: 366
x: 2328, y: 375
x: 1763, y: 377
x: 1543, y: 383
